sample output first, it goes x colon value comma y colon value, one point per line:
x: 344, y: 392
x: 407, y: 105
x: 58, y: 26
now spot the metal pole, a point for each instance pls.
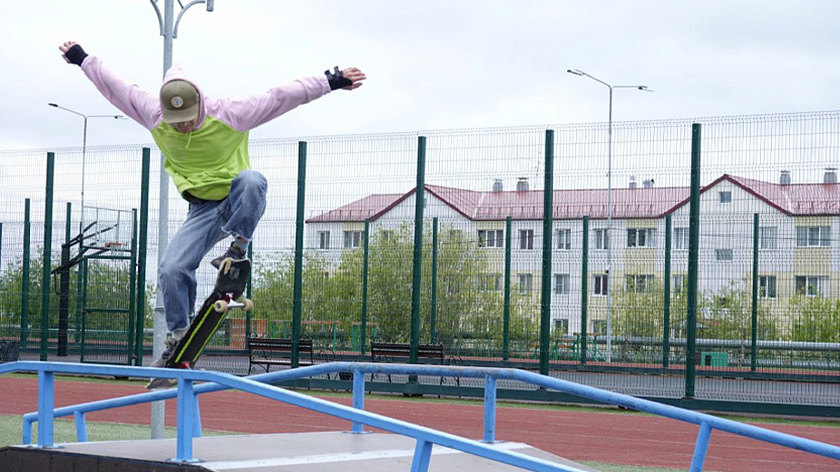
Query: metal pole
x: 24, y: 288
x: 609, y: 231
x: 584, y: 290
x: 433, y: 314
x: 141, y: 253
x: 754, y: 327
x: 418, y: 247
x: 666, y: 324
x: 693, y: 250
x: 506, y: 326
x: 84, y: 158
x: 47, y: 263
x: 64, y: 286
x: 365, y: 266
x: 548, y: 216
x: 297, y: 296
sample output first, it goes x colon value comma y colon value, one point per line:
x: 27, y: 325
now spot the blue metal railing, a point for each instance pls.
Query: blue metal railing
x: 189, y: 422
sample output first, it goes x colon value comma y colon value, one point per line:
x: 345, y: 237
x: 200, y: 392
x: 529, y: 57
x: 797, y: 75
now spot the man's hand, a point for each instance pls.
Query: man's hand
x: 72, y: 53
x: 355, y: 75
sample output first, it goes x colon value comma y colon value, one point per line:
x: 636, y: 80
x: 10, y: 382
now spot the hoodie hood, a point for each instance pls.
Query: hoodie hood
x: 177, y: 73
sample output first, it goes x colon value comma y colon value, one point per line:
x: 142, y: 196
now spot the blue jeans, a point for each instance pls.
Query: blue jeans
x: 207, y: 224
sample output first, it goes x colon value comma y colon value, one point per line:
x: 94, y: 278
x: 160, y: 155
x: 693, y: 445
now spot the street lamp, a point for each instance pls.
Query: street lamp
x: 643, y: 88
x: 84, y: 150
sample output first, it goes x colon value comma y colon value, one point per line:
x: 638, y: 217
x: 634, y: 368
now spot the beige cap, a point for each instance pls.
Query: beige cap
x: 178, y: 101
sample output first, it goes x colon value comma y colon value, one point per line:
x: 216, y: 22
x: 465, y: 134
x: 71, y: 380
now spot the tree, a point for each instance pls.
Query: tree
x: 814, y: 319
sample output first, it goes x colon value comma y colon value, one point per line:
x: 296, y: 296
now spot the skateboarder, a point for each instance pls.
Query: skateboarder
x: 205, y: 145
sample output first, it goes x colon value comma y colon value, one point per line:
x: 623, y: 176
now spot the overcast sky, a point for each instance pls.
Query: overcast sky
x: 431, y: 64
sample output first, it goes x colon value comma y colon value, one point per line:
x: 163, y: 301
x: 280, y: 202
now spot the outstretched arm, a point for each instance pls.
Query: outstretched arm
x: 248, y: 113
x: 138, y: 104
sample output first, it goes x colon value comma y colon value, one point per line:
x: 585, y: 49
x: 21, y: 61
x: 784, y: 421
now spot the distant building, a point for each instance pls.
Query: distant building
x: 798, y: 236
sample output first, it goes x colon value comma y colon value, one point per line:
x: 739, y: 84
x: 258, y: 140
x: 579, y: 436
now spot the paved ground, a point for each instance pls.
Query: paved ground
x: 610, y: 437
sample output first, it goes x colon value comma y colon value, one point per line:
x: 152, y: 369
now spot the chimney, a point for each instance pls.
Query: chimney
x: 648, y: 183
x: 497, y: 185
x: 633, y: 181
x: 830, y: 175
x: 784, y: 178
x: 522, y: 184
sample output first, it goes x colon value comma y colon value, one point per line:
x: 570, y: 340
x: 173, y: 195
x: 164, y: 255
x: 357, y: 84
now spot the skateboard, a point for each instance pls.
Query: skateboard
x: 230, y: 285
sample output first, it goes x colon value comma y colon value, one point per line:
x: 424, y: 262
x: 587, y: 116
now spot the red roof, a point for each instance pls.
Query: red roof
x: 635, y: 203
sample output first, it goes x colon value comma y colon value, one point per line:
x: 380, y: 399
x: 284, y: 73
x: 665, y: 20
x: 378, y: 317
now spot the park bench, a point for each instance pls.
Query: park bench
x: 266, y: 352
x: 391, y: 352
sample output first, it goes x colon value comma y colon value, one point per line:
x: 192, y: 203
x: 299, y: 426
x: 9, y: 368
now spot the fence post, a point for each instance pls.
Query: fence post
x: 433, y: 314
x: 693, y: 250
x: 418, y: 247
x: 45, y: 282
x: 666, y: 322
x: 141, y: 254
x: 754, y: 330
x: 506, y: 320
x: 548, y: 216
x: 248, y: 292
x: 297, y: 297
x: 24, y: 285
x: 365, y: 268
x: 584, y: 290
x: 64, y: 286
x: 132, y: 292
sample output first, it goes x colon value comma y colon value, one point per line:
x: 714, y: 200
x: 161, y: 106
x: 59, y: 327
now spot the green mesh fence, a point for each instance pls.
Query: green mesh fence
x: 769, y: 249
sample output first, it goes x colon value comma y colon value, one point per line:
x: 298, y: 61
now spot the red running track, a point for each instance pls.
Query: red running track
x: 611, y: 437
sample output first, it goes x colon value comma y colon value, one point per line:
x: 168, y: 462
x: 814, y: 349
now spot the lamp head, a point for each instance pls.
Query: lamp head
x: 575, y: 72
x: 53, y: 104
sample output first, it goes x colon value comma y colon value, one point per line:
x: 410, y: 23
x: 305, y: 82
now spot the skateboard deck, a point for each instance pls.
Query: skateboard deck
x: 230, y: 285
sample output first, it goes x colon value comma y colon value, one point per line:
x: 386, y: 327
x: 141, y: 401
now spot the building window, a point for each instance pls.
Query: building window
x: 768, y: 237
x: 767, y: 286
x: 812, y: 286
x: 725, y: 197
x: 813, y: 236
x: 561, y: 327
x: 599, y: 327
x: 387, y: 235
x: 600, y: 285
x: 641, y: 237
x: 638, y: 283
x: 525, y: 283
x: 323, y: 239
x: 679, y: 282
x: 352, y: 239
x: 491, y: 238
x: 680, y: 238
x: 561, y: 284
x: 602, y: 239
x: 490, y: 283
x: 526, y: 239
x: 723, y: 254
x: 564, y: 239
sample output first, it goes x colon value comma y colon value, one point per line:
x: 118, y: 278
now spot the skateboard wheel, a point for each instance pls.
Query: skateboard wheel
x: 221, y: 306
x: 249, y: 305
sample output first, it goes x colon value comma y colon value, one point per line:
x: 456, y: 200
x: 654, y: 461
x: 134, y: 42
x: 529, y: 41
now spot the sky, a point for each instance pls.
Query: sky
x: 430, y: 64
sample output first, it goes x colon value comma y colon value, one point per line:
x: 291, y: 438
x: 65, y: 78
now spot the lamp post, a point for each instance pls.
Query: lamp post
x: 168, y: 24
x: 607, y: 237
x: 84, y: 151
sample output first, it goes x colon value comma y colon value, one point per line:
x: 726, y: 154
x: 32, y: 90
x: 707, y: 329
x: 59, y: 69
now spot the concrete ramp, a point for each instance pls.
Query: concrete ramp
x: 308, y: 452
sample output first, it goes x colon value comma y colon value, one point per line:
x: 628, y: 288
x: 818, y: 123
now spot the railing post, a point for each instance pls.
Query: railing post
x: 699, y: 457
x: 358, y: 398
x: 186, y: 420
x: 81, y: 426
x: 46, y: 403
x: 422, y: 456
x: 489, y: 409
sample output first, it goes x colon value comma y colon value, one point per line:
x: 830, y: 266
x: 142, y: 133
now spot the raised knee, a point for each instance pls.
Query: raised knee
x: 251, y: 179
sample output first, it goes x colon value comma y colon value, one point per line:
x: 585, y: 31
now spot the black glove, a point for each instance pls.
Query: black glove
x: 336, y: 79
x: 76, y: 55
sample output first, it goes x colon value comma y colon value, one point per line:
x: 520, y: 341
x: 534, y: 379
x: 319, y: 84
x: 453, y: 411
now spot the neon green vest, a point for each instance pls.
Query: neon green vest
x: 205, y: 161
